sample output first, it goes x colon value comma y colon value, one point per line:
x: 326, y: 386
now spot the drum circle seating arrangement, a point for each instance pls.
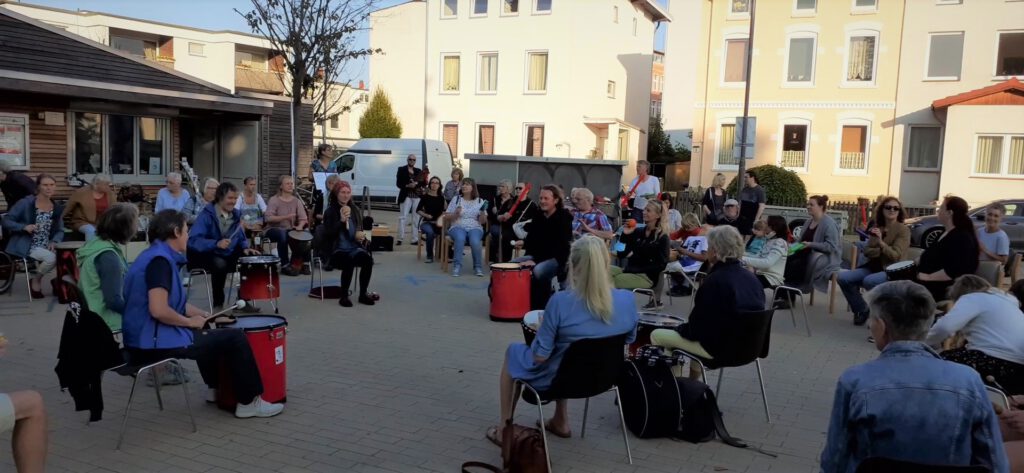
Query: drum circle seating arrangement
x: 648, y: 322
x: 509, y: 292
x: 267, y: 338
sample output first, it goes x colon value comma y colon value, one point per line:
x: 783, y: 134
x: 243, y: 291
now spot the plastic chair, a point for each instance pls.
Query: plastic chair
x: 991, y: 271
x: 889, y: 465
x: 749, y: 342
x: 590, y: 367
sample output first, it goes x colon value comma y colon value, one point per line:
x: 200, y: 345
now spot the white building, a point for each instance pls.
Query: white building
x: 556, y: 78
x: 682, y: 53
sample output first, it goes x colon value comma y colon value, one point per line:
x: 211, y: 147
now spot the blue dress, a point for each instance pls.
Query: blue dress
x: 567, y: 319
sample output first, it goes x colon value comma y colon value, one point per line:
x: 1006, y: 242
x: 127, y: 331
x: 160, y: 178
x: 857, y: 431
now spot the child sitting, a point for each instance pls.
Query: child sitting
x: 759, y: 239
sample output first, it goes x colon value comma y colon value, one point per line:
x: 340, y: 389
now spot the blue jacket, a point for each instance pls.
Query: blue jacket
x: 205, y: 233
x: 910, y: 405
x: 24, y: 213
x: 139, y: 328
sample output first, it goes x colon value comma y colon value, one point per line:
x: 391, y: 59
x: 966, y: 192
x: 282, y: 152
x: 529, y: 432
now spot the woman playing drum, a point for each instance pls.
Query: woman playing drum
x: 345, y: 241
x: 284, y: 213
x: 217, y: 240
x: 954, y: 254
x: 887, y: 244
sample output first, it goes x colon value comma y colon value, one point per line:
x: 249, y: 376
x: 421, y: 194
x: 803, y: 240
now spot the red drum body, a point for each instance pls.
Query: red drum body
x: 67, y: 265
x: 649, y: 322
x: 259, y: 278
x: 266, y: 335
x: 509, y: 291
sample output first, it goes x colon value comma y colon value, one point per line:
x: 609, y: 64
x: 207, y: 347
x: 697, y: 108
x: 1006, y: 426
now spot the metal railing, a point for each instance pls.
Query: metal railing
x: 851, y: 161
x: 794, y: 159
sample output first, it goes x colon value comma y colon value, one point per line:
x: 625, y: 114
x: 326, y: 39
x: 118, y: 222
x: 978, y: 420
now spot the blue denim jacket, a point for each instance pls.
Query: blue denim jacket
x: 910, y: 405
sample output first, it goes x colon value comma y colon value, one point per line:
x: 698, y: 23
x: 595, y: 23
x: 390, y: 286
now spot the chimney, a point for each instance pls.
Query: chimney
x: 361, y: 87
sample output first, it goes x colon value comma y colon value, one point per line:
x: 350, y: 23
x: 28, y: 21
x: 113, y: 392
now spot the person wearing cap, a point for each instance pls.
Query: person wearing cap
x: 731, y: 216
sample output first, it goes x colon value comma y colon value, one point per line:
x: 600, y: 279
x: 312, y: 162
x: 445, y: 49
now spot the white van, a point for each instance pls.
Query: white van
x: 374, y: 162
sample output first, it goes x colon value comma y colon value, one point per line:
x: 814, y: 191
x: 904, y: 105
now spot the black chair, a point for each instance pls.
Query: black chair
x: 889, y: 465
x: 589, y: 367
x: 748, y: 342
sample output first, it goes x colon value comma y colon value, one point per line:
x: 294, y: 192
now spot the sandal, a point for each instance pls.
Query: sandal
x: 547, y: 427
x: 492, y: 435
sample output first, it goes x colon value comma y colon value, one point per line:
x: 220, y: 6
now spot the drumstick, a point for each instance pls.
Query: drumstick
x: 239, y: 304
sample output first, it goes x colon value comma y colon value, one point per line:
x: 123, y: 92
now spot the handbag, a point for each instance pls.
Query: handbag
x: 522, y: 451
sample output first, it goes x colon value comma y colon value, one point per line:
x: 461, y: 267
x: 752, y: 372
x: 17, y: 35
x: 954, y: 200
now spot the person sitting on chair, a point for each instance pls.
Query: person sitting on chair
x: 87, y: 204
x: 647, y: 249
x: 159, y: 322
x: 591, y: 308
x: 548, y: 237
x: 954, y: 254
x: 818, y: 255
x: 908, y: 404
x: 34, y: 227
x: 727, y: 291
x: 217, y: 240
x: 345, y: 241
x: 174, y: 196
x: 25, y: 414
x: 769, y: 264
x: 285, y: 212
x: 430, y: 210
x: 102, y: 263
x: 195, y: 205
x: 994, y: 328
x: 889, y: 241
x: 524, y: 211
x: 252, y: 205
x: 587, y: 219
x: 467, y: 213
x: 731, y: 216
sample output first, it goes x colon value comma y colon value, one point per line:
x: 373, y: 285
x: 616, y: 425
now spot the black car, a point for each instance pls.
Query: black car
x: 925, y: 231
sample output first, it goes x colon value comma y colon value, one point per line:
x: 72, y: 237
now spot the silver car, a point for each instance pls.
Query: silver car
x: 925, y: 231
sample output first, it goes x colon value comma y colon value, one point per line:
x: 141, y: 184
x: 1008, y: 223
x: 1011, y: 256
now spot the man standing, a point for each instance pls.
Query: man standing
x: 642, y: 187
x: 752, y: 201
x: 14, y: 185
x: 409, y: 183
x: 993, y: 242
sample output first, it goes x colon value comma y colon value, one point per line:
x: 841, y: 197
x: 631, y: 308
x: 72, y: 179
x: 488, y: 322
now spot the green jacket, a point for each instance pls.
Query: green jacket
x: 91, y: 283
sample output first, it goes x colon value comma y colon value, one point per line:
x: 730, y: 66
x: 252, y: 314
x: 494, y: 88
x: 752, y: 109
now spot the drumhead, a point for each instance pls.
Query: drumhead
x: 900, y: 265
x: 506, y: 267
x: 300, y: 235
x: 252, y: 323
x: 69, y: 245
x: 264, y: 259
x: 532, y: 318
x: 659, y: 320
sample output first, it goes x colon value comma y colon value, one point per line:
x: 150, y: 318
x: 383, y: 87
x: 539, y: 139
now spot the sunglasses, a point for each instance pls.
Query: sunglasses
x: 894, y: 208
x: 519, y: 188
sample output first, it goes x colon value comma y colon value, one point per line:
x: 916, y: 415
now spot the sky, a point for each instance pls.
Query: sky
x: 212, y: 15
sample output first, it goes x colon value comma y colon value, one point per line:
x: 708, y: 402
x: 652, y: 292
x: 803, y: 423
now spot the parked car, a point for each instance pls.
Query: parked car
x: 372, y: 163
x: 925, y: 231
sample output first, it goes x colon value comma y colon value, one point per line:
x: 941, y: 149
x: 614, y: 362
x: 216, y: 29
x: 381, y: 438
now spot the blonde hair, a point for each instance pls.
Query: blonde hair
x: 690, y: 220
x: 718, y: 181
x: 726, y: 242
x: 589, y: 275
x: 761, y: 226
x: 968, y: 284
x: 662, y: 227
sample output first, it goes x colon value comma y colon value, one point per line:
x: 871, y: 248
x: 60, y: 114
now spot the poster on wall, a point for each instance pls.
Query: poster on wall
x: 14, y: 139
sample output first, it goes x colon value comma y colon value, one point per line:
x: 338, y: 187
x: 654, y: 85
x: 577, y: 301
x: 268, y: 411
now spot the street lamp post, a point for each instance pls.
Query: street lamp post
x: 742, y: 167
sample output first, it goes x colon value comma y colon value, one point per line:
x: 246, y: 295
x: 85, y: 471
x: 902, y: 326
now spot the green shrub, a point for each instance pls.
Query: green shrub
x: 781, y: 186
x: 379, y: 120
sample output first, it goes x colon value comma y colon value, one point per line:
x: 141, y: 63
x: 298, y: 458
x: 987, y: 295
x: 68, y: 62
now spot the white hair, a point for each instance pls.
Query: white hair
x: 174, y: 176
x: 209, y: 181
x: 102, y: 179
x: 726, y: 242
x: 584, y: 193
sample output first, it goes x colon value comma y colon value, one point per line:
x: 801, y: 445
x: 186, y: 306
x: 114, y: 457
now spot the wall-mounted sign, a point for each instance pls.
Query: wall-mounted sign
x: 14, y: 139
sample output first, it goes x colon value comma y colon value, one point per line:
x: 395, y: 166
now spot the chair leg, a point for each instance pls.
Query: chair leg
x: 28, y: 281
x: 807, y: 321
x: 188, y: 402
x: 764, y: 397
x: 586, y: 407
x: 718, y: 385
x: 622, y: 419
x: 832, y: 293
x: 543, y: 430
x: 155, y: 373
x: 127, y: 410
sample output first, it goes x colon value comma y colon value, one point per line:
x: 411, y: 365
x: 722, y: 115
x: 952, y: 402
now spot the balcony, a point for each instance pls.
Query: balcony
x: 794, y: 159
x: 851, y: 161
x: 256, y: 80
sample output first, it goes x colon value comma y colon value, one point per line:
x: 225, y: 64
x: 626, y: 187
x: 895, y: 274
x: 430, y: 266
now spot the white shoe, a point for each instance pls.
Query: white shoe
x: 211, y: 395
x: 258, y: 408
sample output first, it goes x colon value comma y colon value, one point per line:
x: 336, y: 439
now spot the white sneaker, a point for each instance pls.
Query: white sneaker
x: 258, y: 408
x: 211, y: 395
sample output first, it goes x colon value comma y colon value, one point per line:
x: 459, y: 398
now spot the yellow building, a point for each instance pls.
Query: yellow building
x: 823, y: 90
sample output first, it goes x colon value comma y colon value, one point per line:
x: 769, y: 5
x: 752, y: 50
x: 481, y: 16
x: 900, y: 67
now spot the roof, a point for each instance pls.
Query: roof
x: 1012, y: 85
x: 654, y: 9
x: 610, y: 121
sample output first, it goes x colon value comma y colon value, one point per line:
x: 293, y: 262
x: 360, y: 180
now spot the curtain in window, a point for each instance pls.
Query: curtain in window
x: 486, y: 143
x: 989, y: 148
x: 862, y: 56
x: 451, y: 7
x: 510, y: 6
x: 538, y: 71
x: 924, y: 147
x: 489, y: 73
x: 735, y: 60
x: 451, y: 73
x: 726, y: 137
x: 1016, y: 165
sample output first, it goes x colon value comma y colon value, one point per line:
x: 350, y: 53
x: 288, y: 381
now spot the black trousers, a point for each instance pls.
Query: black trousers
x: 348, y: 261
x: 208, y: 349
x: 218, y: 267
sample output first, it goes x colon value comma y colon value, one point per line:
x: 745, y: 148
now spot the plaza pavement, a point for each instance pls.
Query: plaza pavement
x: 411, y: 385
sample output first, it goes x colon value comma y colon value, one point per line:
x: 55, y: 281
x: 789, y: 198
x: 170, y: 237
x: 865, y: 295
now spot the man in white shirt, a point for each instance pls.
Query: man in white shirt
x: 641, y: 188
x: 993, y: 242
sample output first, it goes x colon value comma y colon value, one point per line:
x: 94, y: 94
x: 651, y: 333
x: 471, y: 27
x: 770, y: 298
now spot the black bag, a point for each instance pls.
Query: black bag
x: 382, y: 243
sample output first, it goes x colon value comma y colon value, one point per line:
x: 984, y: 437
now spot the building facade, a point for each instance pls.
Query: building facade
x: 681, y: 66
x: 657, y: 83
x: 824, y: 82
x: 552, y: 78
x: 959, y: 124
x: 342, y: 110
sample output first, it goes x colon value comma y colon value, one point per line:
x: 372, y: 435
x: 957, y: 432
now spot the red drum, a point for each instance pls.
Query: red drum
x: 259, y: 279
x: 266, y: 335
x: 649, y: 322
x: 509, y: 291
x: 67, y: 265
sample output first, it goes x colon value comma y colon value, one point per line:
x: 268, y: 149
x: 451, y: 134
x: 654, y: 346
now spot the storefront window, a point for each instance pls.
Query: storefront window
x: 88, y: 143
x: 122, y: 145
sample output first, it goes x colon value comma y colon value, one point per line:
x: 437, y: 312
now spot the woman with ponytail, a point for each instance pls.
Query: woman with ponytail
x: 954, y: 254
x: 590, y: 309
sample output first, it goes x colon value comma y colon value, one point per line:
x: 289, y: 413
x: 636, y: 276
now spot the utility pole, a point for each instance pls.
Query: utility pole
x: 742, y: 167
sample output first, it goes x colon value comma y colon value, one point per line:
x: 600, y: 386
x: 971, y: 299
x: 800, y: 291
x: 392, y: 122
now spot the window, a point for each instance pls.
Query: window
x: 853, y: 151
x: 509, y: 7
x: 479, y: 7
x: 794, y: 146
x: 865, y: 5
x: 611, y: 89
x: 449, y: 8
x: 735, y: 69
x: 485, y: 139
x: 450, y: 81
x: 948, y: 2
x: 860, y: 60
x: 535, y: 140
x: 1000, y: 155
x: 334, y: 122
x: 657, y: 83
x: 196, y: 49
x: 251, y: 60
x: 945, y: 56
x: 924, y: 147
x: 726, y: 137
x: 805, y: 6
x: 615, y: 14
x: 801, y: 60
x: 656, y: 108
x: 135, y: 46
x: 1010, y: 58
x: 739, y: 6
x: 542, y: 6
x: 488, y: 73
x: 121, y: 145
x: 450, y: 135
x: 537, y: 80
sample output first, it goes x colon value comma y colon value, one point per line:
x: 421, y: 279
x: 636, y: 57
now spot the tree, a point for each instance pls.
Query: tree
x: 379, y: 120
x: 659, y: 147
x: 317, y: 39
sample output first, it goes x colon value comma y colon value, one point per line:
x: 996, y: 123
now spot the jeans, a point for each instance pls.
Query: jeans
x: 208, y: 349
x: 429, y: 231
x: 218, y: 267
x: 852, y: 280
x: 45, y: 260
x: 406, y: 209
x: 88, y: 230
x: 279, y: 236
x: 475, y: 236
